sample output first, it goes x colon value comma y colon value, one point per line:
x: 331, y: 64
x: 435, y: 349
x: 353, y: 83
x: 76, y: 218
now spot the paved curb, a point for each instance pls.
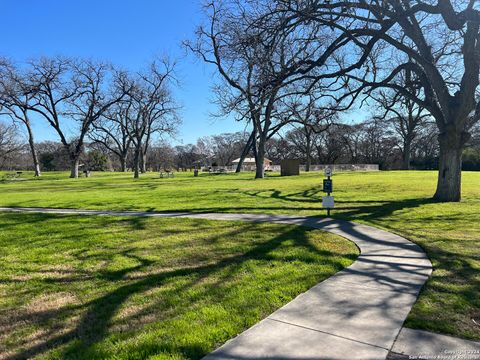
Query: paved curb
x: 419, y: 344
x: 355, y: 314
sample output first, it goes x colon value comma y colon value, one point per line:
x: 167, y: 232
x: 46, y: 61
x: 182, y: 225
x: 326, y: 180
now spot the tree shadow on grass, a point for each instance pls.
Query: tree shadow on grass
x: 349, y: 210
x: 311, y: 195
x: 96, y: 316
x: 451, y: 294
x: 11, y: 221
x: 367, y: 210
x: 380, y: 210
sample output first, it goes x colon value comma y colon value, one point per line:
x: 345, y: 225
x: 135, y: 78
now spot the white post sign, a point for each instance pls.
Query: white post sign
x: 327, y: 202
x: 328, y: 171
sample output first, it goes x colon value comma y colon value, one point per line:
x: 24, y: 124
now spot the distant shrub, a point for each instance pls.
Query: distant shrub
x: 471, y: 159
x: 96, y: 161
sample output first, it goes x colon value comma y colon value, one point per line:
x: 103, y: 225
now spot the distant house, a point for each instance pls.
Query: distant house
x: 250, y: 162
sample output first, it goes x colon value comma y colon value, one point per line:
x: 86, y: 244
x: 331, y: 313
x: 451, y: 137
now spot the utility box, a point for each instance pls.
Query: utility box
x: 289, y: 167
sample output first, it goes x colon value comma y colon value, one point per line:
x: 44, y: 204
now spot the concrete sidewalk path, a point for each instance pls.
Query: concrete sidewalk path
x: 355, y: 314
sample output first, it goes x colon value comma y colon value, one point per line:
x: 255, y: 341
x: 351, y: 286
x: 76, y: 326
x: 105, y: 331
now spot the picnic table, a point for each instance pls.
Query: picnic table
x: 166, y: 174
x: 13, y: 175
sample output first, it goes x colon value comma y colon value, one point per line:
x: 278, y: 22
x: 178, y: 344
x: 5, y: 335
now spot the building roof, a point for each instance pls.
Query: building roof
x: 249, y: 160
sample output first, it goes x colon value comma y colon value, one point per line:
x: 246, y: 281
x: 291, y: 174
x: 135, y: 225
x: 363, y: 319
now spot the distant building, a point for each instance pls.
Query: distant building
x: 250, y: 162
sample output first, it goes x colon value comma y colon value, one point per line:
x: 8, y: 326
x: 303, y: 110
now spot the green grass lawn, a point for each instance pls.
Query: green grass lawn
x: 130, y: 288
x: 398, y: 201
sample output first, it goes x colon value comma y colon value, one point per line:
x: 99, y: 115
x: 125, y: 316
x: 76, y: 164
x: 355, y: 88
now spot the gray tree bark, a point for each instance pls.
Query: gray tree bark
x: 123, y: 163
x: 31, y: 144
x: 259, y: 151
x: 136, y: 163
x: 450, y: 166
x: 143, y: 162
x: 308, y: 149
x: 407, y: 148
x: 75, y: 160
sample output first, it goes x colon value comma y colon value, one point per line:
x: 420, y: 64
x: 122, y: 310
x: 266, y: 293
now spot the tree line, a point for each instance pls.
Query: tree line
x: 282, y: 63
x: 276, y: 59
x: 377, y: 141
x: 86, y: 101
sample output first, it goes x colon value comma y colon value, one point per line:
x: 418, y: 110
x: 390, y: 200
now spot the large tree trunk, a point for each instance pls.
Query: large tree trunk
x: 31, y: 143
x: 143, y: 162
x: 260, y: 159
x: 74, y: 162
x: 406, y: 155
x: 450, y: 166
x: 136, y: 163
x: 308, y: 154
x: 123, y: 163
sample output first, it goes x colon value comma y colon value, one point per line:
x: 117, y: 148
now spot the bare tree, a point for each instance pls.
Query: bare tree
x: 113, y: 132
x: 9, y: 142
x: 375, y: 41
x: 406, y: 116
x: 300, y: 144
x: 223, y: 148
x: 351, y: 136
x: 329, y: 146
x: 186, y: 156
x: 162, y: 156
x: 377, y: 142
x: 255, y: 66
x: 93, y: 97
x: 66, y: 91
x: 425, y: 149
x: 311, y: 119
x: 279, y: 148
x: 228, y: 146
x: 151, y: 110
x: 15, y: 100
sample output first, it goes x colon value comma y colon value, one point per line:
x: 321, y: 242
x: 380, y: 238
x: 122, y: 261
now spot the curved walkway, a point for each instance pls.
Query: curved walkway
x: 355, y: 314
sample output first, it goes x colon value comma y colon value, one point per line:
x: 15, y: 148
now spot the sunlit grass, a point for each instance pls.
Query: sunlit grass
x: 130, y: 288
x: 399, y: 201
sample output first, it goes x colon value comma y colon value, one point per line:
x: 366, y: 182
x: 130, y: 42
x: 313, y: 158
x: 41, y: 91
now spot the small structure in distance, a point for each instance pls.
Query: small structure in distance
x: 249, y: 164
x: 289, y: 167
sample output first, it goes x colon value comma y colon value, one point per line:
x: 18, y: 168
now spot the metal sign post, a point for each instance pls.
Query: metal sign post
x: 328, y: 201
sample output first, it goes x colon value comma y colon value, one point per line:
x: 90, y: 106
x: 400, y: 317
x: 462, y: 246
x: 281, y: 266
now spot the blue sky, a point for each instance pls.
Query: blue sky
x: 126, y: 32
